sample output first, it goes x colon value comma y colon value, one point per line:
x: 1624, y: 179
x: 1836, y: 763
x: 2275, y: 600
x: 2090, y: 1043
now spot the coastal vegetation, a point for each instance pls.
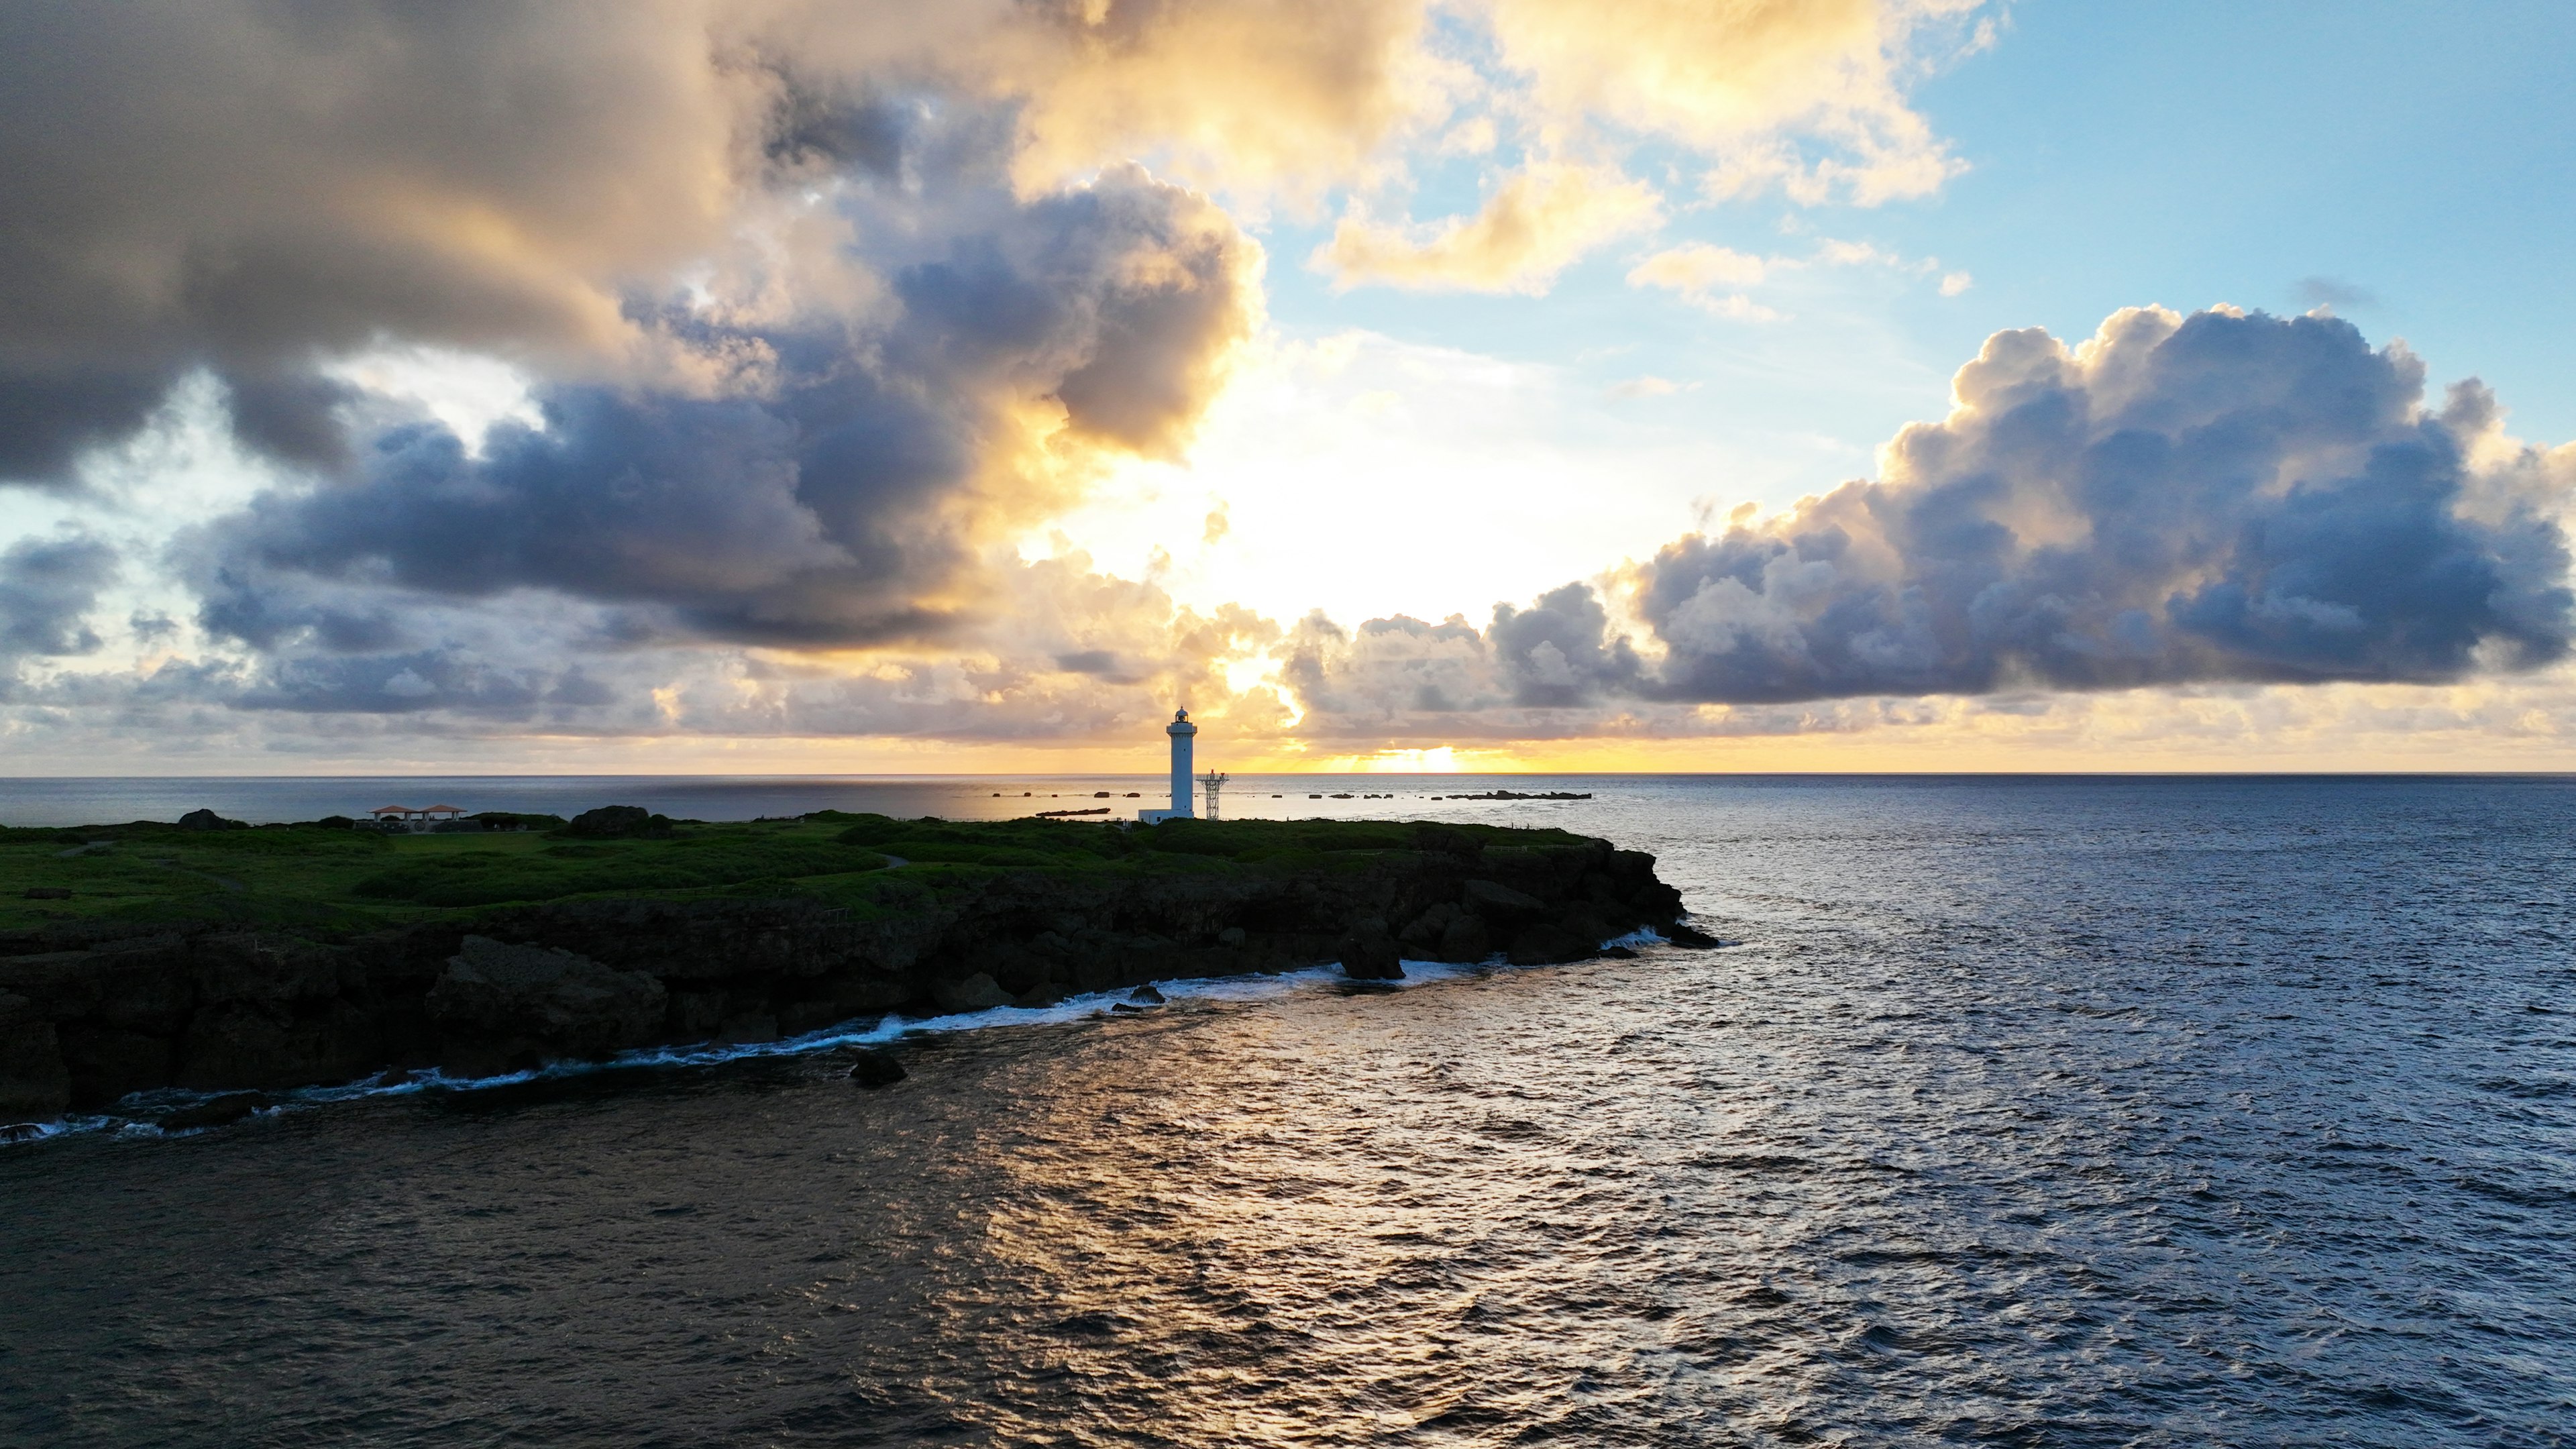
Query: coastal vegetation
x: 332, y: 876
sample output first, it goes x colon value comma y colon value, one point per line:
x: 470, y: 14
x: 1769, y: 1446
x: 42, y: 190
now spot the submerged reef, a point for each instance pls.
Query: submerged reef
x: 144, y: 956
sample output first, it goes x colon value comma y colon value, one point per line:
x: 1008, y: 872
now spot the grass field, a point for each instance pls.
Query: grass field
x: 338, y: 879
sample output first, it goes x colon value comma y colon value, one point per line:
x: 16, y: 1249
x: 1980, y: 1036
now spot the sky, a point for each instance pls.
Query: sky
x: 782, y: 385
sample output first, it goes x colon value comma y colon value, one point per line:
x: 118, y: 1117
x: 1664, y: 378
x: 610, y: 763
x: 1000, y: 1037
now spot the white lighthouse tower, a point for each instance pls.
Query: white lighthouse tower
x: 1182, y: 732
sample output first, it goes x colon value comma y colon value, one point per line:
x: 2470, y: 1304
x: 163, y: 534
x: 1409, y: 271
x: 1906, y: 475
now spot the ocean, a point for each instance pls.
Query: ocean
x: 2040, y: 1110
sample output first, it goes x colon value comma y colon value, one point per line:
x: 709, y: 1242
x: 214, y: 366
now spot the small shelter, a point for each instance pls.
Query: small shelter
x: 405, y: 817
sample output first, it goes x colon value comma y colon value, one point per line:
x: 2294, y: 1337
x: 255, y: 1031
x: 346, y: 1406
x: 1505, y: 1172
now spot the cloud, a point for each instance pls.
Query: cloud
x: 1808, y: 97
x: 1230, y: 95
x: 1701, y: 272
x: 1535, y: 225
x: 1707, y: 276
x: 2333, y: 292
x: 1734, y: 81
x: 831, y: 442
x: 47, y: 589
x: 696, y: 376
x: 1648, y: 385
x: 239, y: 184
x: 2224, y: 498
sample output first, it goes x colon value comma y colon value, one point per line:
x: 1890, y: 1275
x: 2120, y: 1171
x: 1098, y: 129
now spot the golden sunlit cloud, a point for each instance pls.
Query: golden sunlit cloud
x: 1535, y: 225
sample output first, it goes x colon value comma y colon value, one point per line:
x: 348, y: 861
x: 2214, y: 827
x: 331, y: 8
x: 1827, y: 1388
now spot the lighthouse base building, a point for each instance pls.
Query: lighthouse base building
x: 1182, y: 732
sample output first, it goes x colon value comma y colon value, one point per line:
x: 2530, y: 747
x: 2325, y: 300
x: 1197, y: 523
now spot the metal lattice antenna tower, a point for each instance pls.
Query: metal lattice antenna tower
x: 1213, y: 784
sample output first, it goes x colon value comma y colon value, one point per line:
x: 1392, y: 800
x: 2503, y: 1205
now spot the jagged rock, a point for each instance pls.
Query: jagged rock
x: 1466, y: 939
x: 1424, y: 931
x: 33, y: 1081
x: 1501, y: 904
x: 979, y: 992
x: 1546, y: 943
x: 20, y: 1132
x: 272, y: 971
x: 563, y: 1002
x: 1146, y: 995
x: 696, y: 1015
x: 1618, y: 953
x: 214, y: 1112
x: 1690, y: 938
x: 876, y: 1068
x: 1369, y: 953
x: 798, y: 1018
x: 106, y: 1063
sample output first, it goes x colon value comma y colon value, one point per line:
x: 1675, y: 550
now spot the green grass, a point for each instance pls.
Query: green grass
x: 337, y: 879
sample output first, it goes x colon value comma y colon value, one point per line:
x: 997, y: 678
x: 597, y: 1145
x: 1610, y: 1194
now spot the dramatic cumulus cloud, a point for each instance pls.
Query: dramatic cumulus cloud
x: 2223, y: 498
x: 800, y: 331
x: 841, y: 496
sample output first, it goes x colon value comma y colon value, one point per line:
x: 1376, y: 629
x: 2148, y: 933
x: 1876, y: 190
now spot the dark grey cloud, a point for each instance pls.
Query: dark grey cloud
x: 1560, y: 650
x: 47, y: 589
x: 832, y: 503
x: 796, y: 330
x: 244, y: 185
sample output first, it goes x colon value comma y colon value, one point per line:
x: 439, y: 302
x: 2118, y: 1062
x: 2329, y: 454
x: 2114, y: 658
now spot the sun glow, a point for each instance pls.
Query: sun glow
x: 1445, y: 760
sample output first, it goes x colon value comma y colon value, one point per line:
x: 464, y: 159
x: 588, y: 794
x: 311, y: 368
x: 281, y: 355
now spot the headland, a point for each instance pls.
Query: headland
x: 214, y: 956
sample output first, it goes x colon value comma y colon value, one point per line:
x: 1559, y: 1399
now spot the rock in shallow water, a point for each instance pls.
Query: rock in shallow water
x: 876, y: 1069
x: 214, y: 1112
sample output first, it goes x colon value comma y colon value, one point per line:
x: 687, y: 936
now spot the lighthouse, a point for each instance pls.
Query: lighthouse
x: 1181, y: 731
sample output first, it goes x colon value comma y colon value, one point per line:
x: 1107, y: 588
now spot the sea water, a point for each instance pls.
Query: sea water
x: 2039, y: 1111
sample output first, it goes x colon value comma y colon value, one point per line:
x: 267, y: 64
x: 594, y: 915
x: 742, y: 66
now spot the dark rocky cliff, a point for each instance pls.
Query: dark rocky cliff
x: 90, y: 1011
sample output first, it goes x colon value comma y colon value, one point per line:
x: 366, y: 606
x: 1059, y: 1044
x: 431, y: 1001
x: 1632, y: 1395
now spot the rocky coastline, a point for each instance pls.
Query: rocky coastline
x: 93, y: 1010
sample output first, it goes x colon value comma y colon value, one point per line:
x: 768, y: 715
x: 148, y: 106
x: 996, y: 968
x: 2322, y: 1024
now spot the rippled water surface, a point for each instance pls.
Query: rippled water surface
x: 2027, y: 1111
